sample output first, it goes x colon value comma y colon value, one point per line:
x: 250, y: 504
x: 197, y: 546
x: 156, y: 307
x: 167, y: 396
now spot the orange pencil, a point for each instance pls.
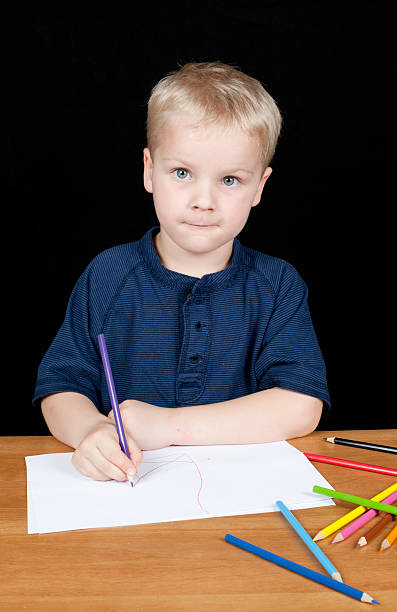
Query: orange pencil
x: 387, y: 542
x: 384, y: 517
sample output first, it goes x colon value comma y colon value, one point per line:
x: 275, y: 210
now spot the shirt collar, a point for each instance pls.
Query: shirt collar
x: 183, y: 282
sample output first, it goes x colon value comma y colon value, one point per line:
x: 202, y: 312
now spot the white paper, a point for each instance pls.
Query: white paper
x: 175, y: 483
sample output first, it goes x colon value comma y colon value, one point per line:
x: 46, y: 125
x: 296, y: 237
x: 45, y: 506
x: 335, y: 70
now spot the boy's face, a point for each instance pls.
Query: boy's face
x: 204, y: 182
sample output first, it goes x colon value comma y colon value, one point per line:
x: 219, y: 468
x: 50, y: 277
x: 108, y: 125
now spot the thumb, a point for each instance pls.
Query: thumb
x: 135, y: 454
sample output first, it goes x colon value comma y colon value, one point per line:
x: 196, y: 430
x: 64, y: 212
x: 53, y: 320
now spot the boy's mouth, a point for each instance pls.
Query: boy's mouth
x: 194, y: 225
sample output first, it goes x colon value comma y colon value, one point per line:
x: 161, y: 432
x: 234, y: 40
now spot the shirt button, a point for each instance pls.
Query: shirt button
x: 197, y: 301
x: 194, y: 358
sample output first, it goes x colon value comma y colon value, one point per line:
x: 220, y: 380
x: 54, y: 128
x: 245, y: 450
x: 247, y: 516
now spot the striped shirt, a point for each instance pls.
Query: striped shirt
x: 177, y: 340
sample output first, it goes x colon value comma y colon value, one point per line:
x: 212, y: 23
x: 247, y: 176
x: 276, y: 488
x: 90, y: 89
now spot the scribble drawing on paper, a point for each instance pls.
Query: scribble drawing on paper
x: 164, y: 460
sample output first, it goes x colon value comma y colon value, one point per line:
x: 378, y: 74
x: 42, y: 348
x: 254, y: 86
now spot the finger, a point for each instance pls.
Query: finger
x: 119, y: 466
x: 86, y: 467
x: 112, y: 462
x: 133, y: 449
x: 100, y: 455
x: 135, y: 452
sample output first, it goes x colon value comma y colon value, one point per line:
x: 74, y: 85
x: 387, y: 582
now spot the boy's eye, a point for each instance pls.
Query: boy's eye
x: 230, y: 181
x: 181, y: 173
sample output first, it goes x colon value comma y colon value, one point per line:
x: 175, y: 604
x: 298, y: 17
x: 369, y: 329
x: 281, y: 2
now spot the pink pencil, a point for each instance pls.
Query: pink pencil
x: 347, y: 531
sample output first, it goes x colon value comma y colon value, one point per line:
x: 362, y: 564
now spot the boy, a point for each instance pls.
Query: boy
x: 210, y: 342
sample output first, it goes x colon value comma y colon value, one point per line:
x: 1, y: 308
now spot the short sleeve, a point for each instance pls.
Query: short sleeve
x: 290, y: 356
x: 71, y: 363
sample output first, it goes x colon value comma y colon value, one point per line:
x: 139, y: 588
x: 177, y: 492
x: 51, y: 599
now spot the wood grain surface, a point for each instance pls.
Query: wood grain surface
x: 187, y: 565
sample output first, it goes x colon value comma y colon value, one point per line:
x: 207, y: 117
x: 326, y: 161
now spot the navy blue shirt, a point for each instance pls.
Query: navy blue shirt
x: 177, y: 340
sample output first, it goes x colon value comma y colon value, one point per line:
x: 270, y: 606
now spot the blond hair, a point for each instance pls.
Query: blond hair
x: 216, y: 93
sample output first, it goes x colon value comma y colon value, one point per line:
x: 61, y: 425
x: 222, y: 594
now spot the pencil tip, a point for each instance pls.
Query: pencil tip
x: 318, y: 536
x: 337, y: 538
x: 362, y: 541
x: 337, y: 576
x: 368, y: 599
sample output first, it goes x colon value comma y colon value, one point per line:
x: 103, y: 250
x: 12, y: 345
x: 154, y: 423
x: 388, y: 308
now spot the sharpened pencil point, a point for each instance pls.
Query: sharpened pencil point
x: 368, y: 599
x: 318, y: 536
x: 385, y: 544
x: 132, y: 480
x: 337, y: 576
x: 338, y: 538
x: 362, y: 542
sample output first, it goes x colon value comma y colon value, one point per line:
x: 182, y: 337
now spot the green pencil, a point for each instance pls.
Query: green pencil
x: 361, y: 501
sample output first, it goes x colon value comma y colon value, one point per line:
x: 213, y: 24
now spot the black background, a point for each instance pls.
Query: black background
x: 75, y: 97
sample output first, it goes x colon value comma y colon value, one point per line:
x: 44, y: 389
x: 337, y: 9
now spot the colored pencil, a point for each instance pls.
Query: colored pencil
x: 388, y: 541
x: 352, y: 464
x: 354, y: 499
x: 301, y: 569
x: 113, y: 397
x: 384, y: 518
x: 360, y: 522
x: 353, y: 514
x: 367, y: 445
x: 302, y: 533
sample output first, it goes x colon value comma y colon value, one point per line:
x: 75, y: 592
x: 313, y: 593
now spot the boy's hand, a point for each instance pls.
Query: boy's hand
x: 99, y: 455
x: 150, y: 426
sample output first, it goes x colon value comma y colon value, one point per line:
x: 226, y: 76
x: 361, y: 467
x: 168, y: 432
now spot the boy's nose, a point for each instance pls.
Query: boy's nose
x: 201, y: 205
x: 203, y: 199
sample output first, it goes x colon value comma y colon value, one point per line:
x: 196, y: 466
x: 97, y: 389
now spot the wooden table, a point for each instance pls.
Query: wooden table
x: 187, y: 565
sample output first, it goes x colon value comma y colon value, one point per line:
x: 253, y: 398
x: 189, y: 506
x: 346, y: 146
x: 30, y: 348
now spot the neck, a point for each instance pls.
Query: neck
x: 173, y: 258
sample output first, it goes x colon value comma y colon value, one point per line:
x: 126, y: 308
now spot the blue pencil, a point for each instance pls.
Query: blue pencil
x: 302, y: 533
x: 300, y: 569
x: 113, y: 396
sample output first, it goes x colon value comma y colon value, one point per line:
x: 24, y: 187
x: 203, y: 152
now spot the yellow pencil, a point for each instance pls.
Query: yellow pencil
x: 388, y: 541
x: 347, y: 518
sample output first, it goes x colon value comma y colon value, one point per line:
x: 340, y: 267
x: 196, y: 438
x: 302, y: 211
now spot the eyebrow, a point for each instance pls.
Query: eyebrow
x: 184, y: 163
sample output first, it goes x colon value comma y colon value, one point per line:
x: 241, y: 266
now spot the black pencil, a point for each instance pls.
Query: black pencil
x: 367, y: 445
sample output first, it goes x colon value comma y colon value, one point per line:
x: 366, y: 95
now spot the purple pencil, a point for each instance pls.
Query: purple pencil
x: 113, y: 396
x: 345, y: 533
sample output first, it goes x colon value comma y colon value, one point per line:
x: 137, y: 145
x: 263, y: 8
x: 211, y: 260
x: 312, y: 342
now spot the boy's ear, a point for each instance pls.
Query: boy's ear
x: 147, y: 170
x: 261, y: 185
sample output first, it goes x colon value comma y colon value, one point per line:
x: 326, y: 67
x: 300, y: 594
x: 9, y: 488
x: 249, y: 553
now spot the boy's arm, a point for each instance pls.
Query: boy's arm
x: 70, y: 416
x: 264, y: 416
x: 73, y: 419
